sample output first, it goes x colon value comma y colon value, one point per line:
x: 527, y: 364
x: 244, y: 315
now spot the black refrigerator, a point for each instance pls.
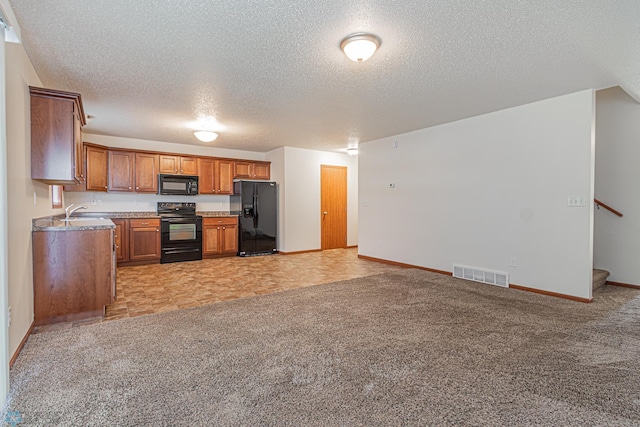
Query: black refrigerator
x: 256, y: 204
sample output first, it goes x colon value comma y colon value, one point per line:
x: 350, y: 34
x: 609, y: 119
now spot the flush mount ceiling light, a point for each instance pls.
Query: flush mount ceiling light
x: 205, y: 135
x: 352, y: 151
x: 360, y: 46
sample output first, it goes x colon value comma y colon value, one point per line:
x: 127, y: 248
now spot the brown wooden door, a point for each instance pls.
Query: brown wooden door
x: 333, y: 202
x: 189, y: 165
x: 97, y: 168
x: 261, y: 170
x: 144, y: 239
x: 78, y: 146
x: 121, y: 239
x: 210, y: 239
x: 206, y: 181
x: 169, y: 164
x: 230, y: 239
x: 121, y: 171
x: 242, y: 169
x: 146, y: 173
x: 224, y: 175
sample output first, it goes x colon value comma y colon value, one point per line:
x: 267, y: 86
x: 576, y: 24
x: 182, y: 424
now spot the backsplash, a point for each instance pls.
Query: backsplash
x: 138, y: 202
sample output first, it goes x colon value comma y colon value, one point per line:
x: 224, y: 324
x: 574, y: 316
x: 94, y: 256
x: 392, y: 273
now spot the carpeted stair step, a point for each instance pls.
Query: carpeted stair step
x: 599, y: 278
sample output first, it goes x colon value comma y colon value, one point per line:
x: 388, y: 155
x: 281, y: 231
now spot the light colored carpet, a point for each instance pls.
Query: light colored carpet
x: 404, y: 348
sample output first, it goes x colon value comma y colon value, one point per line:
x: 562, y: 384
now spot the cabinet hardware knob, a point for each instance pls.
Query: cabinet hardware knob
x: 137, y: 188
x: 105, y: 186
x: 129, y: 188
x: 224, y: 228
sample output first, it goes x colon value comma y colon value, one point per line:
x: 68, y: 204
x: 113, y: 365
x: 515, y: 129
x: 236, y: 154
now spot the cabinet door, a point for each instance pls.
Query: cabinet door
x: 82, y: 186
x: 230, y: 239
x: 53, y: 153
x: 77, y: 145
x: 189, y: 165
x: 261, y: 170
x: 206, y: 180
x: 121, y: 171
x: 97, y: 168
x: 146, y: 173
x: 224, y: 176
x: 121, y: 239
x: 169, y: 164
x: 144, y: 239
x: 242, y: 169
x: 210, y: 240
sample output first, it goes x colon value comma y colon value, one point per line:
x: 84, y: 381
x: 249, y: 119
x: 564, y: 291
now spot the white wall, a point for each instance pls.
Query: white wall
x: 616, y: 240
x: 300, y: 197
x: 484, y: 190
x: 134, y: 202
x: 28, y: 199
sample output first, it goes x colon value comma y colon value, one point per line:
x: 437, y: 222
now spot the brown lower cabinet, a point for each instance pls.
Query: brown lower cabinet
x: 137, y: 241
x: 74, y: 274
x: 219, y: 236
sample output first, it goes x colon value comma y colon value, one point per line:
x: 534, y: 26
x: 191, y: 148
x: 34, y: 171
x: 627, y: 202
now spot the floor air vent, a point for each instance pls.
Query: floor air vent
x: 492, y: 277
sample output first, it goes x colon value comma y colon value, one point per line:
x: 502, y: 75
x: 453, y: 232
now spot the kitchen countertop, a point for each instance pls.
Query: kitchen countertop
x: 100, y: 220
x: 57, y: 223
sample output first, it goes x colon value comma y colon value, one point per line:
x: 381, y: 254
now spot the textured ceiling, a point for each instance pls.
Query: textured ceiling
x: 272, y: 73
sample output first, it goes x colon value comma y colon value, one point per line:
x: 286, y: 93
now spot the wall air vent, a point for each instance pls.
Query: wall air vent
x: 483, y: 275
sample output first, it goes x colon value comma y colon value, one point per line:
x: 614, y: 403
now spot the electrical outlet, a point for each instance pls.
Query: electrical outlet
x: 99, y: 202
x: 514, y: 262
x: 9, y: 315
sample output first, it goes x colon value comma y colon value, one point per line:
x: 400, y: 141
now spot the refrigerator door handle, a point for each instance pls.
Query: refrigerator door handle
x: 255, y: 208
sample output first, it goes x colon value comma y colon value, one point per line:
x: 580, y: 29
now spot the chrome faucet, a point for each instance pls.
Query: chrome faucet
x: 70, y: 212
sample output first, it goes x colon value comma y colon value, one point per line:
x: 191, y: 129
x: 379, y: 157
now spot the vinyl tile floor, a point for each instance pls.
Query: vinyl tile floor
x: 155, y: 288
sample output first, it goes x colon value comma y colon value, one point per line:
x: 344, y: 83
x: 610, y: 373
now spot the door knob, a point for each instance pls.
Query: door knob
x: 324, y: 213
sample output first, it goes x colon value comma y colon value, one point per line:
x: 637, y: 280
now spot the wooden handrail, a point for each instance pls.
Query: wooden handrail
x: 607, y: 207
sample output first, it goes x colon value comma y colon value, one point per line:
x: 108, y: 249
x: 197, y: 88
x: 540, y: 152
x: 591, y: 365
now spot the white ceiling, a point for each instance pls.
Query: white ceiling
x: 272, y: 73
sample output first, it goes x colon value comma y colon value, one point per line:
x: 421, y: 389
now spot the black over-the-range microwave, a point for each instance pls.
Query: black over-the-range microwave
x: 178, y: 185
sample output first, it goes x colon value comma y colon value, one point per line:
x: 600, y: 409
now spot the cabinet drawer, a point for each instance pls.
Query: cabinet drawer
x: 148, y: 222
x: 220, y: 221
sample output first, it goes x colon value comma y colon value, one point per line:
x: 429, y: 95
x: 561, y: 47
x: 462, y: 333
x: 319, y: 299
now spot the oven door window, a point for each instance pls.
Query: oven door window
x: 181, y: 232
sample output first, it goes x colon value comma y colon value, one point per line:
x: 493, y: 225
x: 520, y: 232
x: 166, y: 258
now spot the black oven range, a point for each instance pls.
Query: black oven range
x: 181, y: 231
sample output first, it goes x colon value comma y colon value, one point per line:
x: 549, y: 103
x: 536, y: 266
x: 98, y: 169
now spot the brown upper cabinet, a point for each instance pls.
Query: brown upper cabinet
x: 146, y: 173
x: 97, y: 168
x: 57, y: 118
x: 133, y: 172
x: 181, y: 165
x: 121, y: 172
x: 251, y: 170
x: 215, y: 176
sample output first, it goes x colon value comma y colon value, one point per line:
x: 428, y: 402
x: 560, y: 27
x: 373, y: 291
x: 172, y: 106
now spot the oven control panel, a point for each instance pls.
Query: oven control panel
x: 186, y: 208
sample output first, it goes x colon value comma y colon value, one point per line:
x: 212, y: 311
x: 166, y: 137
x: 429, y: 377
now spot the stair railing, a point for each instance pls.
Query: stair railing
x: 607, y: 207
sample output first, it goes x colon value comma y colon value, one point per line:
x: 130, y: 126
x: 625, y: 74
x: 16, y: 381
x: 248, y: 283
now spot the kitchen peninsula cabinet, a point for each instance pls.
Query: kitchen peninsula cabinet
x: 57, y: 118
x: 251, y: 170
x: 219, y: 236
x: 215, y: 176
x: 180, y: 165
x: 144, y: 239
x: 73, y: 274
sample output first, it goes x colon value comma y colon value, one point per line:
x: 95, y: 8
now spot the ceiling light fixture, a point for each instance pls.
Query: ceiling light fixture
x: 360, y: 46
x: 205, y: 135
x: 352, y: 151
